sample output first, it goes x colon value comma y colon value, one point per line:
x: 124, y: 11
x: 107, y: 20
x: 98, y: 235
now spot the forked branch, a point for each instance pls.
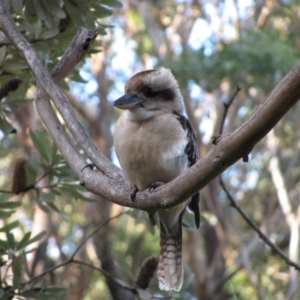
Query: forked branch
x: 110, y: 183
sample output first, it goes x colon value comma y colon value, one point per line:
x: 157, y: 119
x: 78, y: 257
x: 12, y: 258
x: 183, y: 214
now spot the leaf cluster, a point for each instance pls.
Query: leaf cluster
x: 56, y: 182
x: 257, y: 59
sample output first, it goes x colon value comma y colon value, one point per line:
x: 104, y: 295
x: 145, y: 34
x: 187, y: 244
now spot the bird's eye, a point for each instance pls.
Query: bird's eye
x: 150, y: 92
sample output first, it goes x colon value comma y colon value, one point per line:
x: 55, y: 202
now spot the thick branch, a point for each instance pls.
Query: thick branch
x: 229, y: 149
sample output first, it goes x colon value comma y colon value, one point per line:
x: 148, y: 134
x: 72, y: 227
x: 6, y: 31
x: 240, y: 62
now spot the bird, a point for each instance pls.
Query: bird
x: 154, y: 143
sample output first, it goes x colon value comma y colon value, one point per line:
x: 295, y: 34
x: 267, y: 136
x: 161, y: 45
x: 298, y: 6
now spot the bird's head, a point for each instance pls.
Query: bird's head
x: 150, y: 93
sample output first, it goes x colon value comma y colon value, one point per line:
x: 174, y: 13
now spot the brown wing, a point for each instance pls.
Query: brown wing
x: 191, y: 151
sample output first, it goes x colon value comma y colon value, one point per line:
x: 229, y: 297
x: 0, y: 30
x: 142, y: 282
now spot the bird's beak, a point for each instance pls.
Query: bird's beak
x: 129, y: 102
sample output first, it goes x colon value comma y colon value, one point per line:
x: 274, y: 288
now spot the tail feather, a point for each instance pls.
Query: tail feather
x: 170, y: 268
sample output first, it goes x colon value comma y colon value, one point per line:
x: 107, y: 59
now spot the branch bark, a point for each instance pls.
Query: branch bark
x: 110, y: 184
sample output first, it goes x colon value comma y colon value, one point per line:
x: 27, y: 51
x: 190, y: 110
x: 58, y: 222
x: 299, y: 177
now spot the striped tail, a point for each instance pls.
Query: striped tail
x: 170, y: 268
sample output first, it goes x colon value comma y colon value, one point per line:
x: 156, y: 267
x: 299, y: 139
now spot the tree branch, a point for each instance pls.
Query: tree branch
x: 259, y: 232
x: 226, y: 107
x: 111, y: 184
x: 233, y: 203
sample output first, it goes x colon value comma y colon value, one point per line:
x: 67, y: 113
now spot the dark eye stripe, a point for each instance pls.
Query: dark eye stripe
x: 167, y: 94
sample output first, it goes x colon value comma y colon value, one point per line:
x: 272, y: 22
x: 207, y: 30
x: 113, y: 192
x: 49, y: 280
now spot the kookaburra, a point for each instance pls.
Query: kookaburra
x: 154, y: 143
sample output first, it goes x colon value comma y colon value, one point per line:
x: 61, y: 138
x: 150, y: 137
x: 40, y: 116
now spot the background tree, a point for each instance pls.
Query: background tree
x: 211, y: 48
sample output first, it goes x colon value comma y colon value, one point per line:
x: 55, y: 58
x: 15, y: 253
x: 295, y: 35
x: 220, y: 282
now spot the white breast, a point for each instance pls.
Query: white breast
x: 150, y: 151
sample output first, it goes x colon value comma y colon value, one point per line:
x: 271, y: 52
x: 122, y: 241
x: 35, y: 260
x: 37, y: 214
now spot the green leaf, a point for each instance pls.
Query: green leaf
x: 17, y: 270
x: 38, y: 29
x: 17, y: 6
x: 102, y: 11
x: 55, y: 208
x: 40, y: 144
x: 6, y: 214
x: 42, y: 206
x: 37, y: 295
x: 2, y: 54
x: 19, y: 102
x: 49, y: 33
x: 144, y: 294
x: 3, y: 248
x: 56, y: 191
x: 74, y: 13
x: 54, y: 290
x: 64, y: 85
x: 25, y: 264
x: 94, y: 50
x: 10, y: 205
x: 31, y: 168
x: 4, y: 197
x: 39, y: 202
x: 5, y: 126
x: 24, y: 241
x: 47, y: 197
x: 48, y: 14
x: 10, y: 226
x: 30, y: 11
x: 56, y: 10
x: 14, y: 67
x: 47, y: 293
x: 112, y: 3
x: 2, y: 294
x: 11, y: 240
x: 37, y: 237
x: 39, y: 9
x: 75, y: 192
x: 54, y: 155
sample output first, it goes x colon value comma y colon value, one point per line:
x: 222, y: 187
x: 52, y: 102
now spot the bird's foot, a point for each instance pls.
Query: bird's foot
x: 154, y: 185
x: 133, y: 192
x: 89, y: 165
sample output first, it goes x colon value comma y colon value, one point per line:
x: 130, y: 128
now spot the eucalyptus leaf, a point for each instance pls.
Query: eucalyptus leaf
x: 31, y: 168
x: 144, y: 294
x: 47, y: 197
x: 102, y: 11
x: 42, y: 206
x: 10, y: 205
x: 5, y: 126
x: 40, y: 144
x: 17, y: 269
x: 14, y: 66
x: 4, y: 197
x: 111, y: 3
x: 11, y: 243
x: 24, y: 241
x: 10, y: 226
x: 57, y: 10
x: 30, y: 11
x: 25, y: 264
x: 49, y: 33
x: 6, y: 214
x: 2, y: 54
x: 39, y: 9
x: 17, y: 6
x: 74, y: 13
x: 37, y: 237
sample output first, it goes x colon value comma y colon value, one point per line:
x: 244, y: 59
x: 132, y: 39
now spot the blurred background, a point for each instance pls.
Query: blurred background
x: 211, y: 47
